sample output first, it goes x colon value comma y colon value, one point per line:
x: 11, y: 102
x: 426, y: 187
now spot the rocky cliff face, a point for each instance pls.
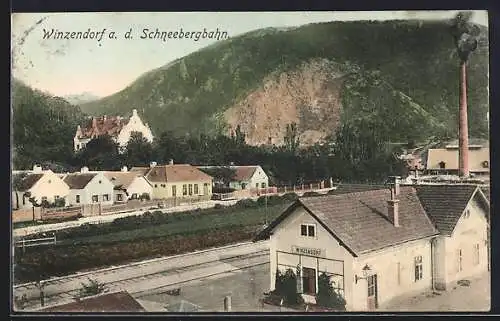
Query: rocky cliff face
x: 308, y: 96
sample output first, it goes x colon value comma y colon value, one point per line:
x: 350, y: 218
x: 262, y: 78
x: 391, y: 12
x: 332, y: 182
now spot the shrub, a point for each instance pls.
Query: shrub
x: 327, y: 296
x: 94, y: 287
x: 144, y: 196
x: 286, y: 288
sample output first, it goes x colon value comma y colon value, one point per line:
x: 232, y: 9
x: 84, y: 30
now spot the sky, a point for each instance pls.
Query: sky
x: 73, y: 66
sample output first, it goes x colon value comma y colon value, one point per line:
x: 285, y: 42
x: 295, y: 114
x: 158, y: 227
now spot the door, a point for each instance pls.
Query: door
x: 309, y: 281
x: 372, y: 292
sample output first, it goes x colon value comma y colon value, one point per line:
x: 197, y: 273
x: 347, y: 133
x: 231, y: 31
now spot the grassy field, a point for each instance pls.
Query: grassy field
x: 186, y: 224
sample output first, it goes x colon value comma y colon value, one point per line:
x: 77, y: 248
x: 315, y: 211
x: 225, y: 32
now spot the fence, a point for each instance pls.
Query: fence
x: 36, y: 242
x: 26, y: 214
x: 58, y: 213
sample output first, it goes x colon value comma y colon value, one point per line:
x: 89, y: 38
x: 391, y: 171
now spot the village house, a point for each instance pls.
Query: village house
x: 129, y: 185
x: 444, y: 161
x: 177, y: 181
x: 118, y: 128
x: 380, y: 244
x: 40, y: 185
x: 245, y: 177
x: 88, y: 187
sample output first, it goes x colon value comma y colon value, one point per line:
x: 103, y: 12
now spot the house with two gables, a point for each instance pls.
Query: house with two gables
x: 86, y: 187
x: 120, y: 129
x: 129, y: 185
x: 177, y: 181
x: 379, y: 244
x: 38, y: 184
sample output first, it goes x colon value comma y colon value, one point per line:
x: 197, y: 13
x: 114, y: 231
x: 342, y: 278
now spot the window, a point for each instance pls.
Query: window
x: 100, y: 182
x: 263, y: 185
x: 163, y: 185
x: 442, y: 165
x: 459, y: 260
x: 77, y: 199
x: 190, y: 189
x: 56, y: 197
x: 308, y: 230
x: 119, y: 197
x: 308, y: 281
x: 476, y: 254
x: 134, y: 196
x: 156, y: 185
x: 256, y: 185
x: 184, y: 189
x: 95, y: 198
x: 44, y: 198
x: 105, y: 197
x: 418, y: 268
x: 174, y: 191
x: 243, y: 186
x: 196, y: 192
x: 372, y: 285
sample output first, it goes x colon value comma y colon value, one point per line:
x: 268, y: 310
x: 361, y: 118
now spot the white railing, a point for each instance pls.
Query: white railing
x: 36, y: 242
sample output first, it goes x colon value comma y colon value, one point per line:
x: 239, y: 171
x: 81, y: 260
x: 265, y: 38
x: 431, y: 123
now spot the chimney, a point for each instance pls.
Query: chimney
x: 124, y: 169
x: 463, y: 134
x: 393, y: 203
x: 171, y: 162
x: 152, y: 164
x: 134, y: 112
x: 37, y: 168
x: 104, y: 117
x: 84, y: 169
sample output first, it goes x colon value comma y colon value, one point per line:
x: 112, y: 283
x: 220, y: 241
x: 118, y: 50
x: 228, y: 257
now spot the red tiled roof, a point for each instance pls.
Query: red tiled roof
x: 244, y: 173
x: 98, y: 126
x: 112, y: 302
x: 360, y: 220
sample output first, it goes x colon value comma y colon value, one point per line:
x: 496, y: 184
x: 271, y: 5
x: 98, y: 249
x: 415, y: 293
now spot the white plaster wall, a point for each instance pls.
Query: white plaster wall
x: 287, y: 234
x: 468, y: 231
x: 135, y: 124
x: 259, y: 177
x: 385, y: 264
x: 139, y: 186
x: 99, y: 185
x: 48, y: 186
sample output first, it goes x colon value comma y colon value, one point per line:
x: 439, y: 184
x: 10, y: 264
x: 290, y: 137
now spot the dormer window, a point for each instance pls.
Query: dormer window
x: 442, y: 165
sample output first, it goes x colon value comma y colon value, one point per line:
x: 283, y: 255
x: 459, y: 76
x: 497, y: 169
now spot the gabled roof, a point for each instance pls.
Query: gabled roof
x: 29, y: 181
x: 360, y: 222
x: 122, y: 179
x: 353, y: 188
x: 445, y: 204
x: 173, y: 173
x: 486, y: 192
x: 111, y: 302
x: 97, y: 126
x: 78, y: 180
x: 244, y: 173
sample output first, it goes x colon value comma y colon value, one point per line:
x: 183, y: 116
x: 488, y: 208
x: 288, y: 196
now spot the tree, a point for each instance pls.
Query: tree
x: 17, y: 184
x: 101, y: 153
x: 465, y: 37
x: 327, y: 296
x: 139, y: 151
x: 292, y: 139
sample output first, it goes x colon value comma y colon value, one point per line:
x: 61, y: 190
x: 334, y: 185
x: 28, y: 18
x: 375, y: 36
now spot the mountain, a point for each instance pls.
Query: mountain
x: 398, y: 78
x: 82, y: 98
x: 43, y: 126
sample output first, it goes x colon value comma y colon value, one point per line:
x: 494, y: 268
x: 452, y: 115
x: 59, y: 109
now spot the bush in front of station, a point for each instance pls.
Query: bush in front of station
x: 285, y: 290
x: 327, y: 296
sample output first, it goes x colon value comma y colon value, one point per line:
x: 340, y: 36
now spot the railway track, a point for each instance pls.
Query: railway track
x: 261, y: 257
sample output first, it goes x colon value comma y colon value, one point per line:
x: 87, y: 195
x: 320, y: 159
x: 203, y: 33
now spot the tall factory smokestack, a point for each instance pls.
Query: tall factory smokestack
x: 463, y: 135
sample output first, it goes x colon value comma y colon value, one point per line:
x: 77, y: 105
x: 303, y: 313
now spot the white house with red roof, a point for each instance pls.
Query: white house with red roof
x: 120, y: 129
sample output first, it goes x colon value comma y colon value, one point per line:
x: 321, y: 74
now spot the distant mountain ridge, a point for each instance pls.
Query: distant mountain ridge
x: 81, y: 98
x: 401, y: 77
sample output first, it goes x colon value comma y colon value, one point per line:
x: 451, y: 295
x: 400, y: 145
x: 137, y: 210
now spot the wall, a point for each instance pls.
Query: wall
x: 99, y: 185
x: 385, y: 264
x: 48, y: 186
x: 165, y: 191
x: 468, y: 231
x: 287, y: 234
x: 259, y: 177
x: 82, y: 142
x: 26, y: 214
x: 135, y: 124
x: 139, y: 186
